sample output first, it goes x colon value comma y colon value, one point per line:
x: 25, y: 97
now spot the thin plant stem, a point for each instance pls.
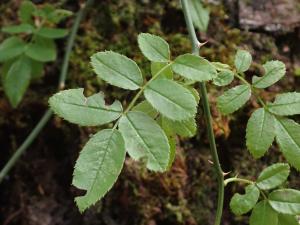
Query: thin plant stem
x: 252, y: 89
x: 136, y: 97
x: 241, y: 180
x: 25, y: 144
x: 47, y: 115
x: 208, y: 118
x: 70, y: 43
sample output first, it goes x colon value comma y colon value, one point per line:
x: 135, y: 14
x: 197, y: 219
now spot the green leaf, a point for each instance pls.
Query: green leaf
x: 37, y: 69
x: 288, y: 138
x: 16, y: 29
x: 11, y: 48
x: 98, y: 166
x: 286, y: 201
x: 274, y: 71
x: 147, y: 108
x: 194, y: 92
x: 16, y: 80
x: 45, y: 11
x: 233, y: 99
x: 286, y: 104
x: 154, y: 47
x: 166, y: 73
x: 221, y: 66
x: 42, y: 50
x: 185, y: 128
x: 58, y: 15
x: 51, y: 33
x: 263, y: 214
x: 194, y: 67
x: 260, y: 132
x: 74, y: 107
x: 171, y: 138
x: 26, y: 10
x: 284, y: 219
x: 117, y: 70
x: 242, y: 61
x: 273, y: 176
x: 172, y: 143
x: 199, y: 14
x: 171, y: 99
x: 241, y: 204
x: 144, y: 139
x: 224, y: 78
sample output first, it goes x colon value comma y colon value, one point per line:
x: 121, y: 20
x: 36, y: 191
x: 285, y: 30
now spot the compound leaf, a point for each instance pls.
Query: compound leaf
x: 144, y: 139
x: 233, y: 99
x: 16, y: 80
x: 118, y: 70
x: 171, y: 99
x: 74, y: 107
x: 200, y: 15
x: 260, y: 132
x: 11, y: 48
x: 241, y: 204
x: 288, y: 138
x: 98, y: 166
x: 274, y: 71
x: 51, y: 33
x: 194, y: 67
x: 286, y: 104
x: 242, y: 61
x: 286, y: 201
x: 273, y: 176
x: 42, y: 49
x: 154, y: 47
x: 263, y: 214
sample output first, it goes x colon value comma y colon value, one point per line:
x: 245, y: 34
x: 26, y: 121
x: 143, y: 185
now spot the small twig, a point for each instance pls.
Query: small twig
x: 208, y: 117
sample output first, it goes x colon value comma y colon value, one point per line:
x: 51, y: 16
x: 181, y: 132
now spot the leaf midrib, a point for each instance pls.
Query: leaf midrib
x: 147, y: 146
x: 117, y: 72
x: 194, y: 68
x: 168, y: 99
x: 101, y: 162
x: 90, y: 107
x: 157, y: 50
x: 278, y: 171
x: 239, y: 95
x: 265, y: 76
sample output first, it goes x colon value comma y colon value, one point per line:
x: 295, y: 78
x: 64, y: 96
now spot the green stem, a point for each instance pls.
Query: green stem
x: 236, y: 179
x: 208, y: 118
x: 47, y: 115
x: 25, y: 144
x: 252, y: 89
x: 136, y: 97
x: 70, y: 43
